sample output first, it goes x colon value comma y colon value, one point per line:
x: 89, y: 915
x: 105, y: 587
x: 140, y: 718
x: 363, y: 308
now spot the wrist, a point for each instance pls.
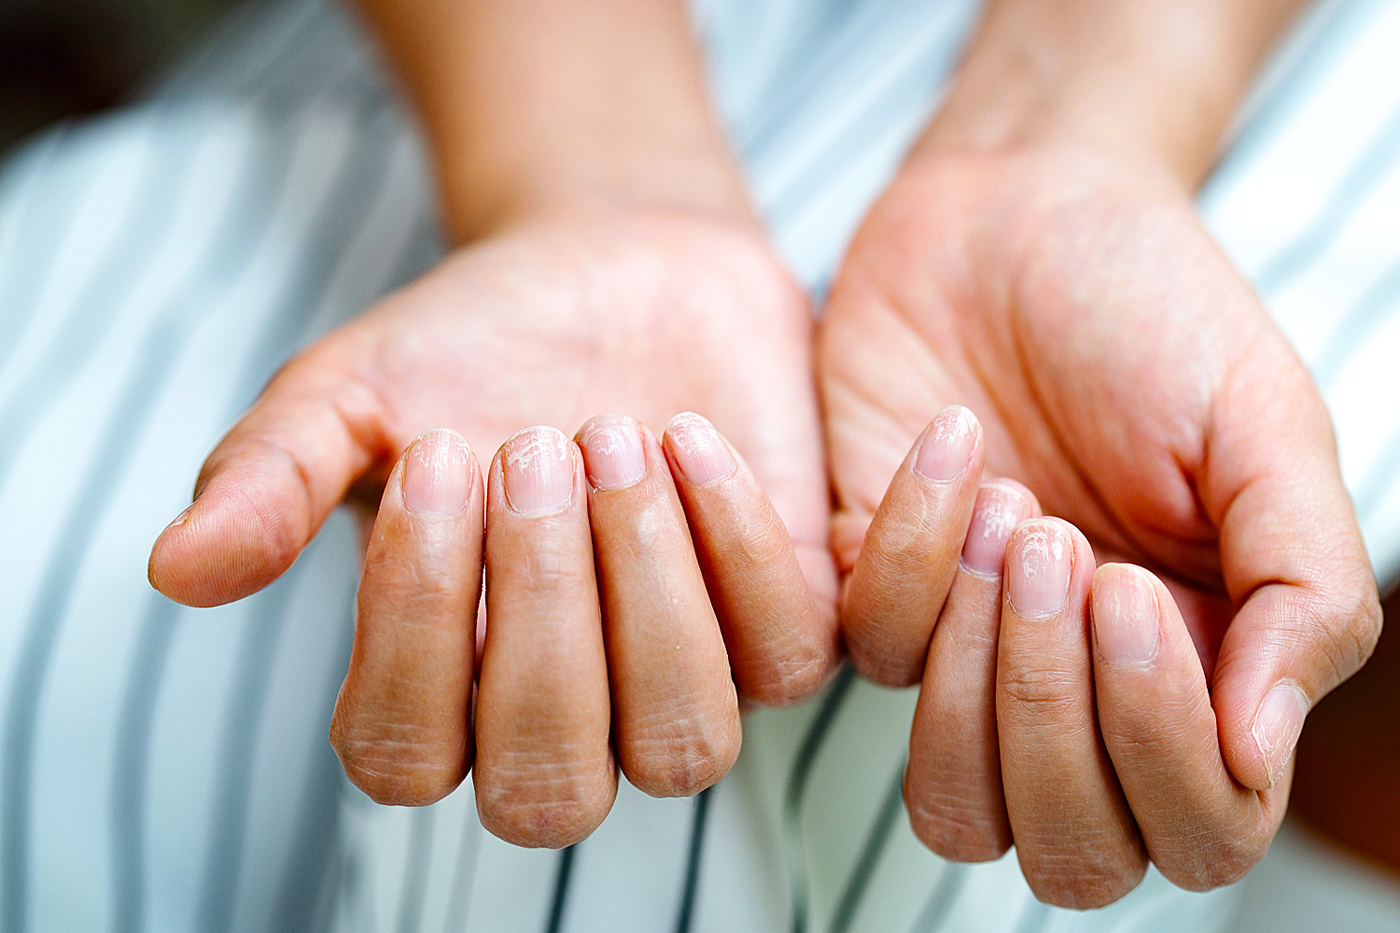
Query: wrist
x: 1151, y: 84
x: 533, y: 107
x: 483, y: 193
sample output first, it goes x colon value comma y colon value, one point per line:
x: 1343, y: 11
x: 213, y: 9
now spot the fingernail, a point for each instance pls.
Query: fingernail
x: 1125, y: 620
x: 180, y: 519
x: 1277, y: 726
x: 612, y: 452
x: 702, y: 456
x: 437, y: 473
x: 947, y: 445
x: 1037, y: 567
x: 538, y: 471
x: 997, y: 512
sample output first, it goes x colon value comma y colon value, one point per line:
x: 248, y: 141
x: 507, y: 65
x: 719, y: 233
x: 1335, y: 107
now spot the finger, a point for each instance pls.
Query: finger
x: 1074, y: 835
x: 676, y: 715
x: 544, y: 769
x: 1294, y: 565
x: 782, y: 641
x: 952, y: 785
x: 268, y: 486
x: 1200, y: 827
x: 906, y: 565
x: 402, y: 720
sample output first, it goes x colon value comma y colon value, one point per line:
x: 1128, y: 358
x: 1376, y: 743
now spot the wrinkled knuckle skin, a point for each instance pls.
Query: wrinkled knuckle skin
x: 782, y: 684
x: 1215, y: 864
x: 568, y: 815
x: 678, y: 767
x: 880, y: 662
x: 1078, y: 883
x: 956, y: 832
x: 395, y: 773
x: 1048, y: 692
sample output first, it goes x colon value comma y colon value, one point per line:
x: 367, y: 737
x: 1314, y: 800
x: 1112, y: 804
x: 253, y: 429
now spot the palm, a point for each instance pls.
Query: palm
x: 554, y: 324
x: 1070, y: 310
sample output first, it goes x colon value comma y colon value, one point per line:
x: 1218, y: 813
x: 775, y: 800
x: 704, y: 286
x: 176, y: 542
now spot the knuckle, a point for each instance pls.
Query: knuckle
x: 883, y: 663
x: 540, y: 813
x: 1085, y: 879
x: 1211, y: 860
x: 785, y: 683
x: 956, y: 829
x: 544, y: 800
x: 1047, y: 691
x: 396, y: 771
x: 679, y: 765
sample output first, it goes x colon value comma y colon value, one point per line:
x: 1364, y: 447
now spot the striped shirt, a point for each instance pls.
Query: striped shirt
x: 163, y: 768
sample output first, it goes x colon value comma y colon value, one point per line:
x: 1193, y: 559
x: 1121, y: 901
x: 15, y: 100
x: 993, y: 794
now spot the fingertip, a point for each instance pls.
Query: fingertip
x: 950, y: 446
x: 227, y: 545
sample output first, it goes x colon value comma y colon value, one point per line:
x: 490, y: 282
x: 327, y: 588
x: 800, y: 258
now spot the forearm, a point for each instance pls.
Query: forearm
x: 532, y: 106
x: 1153, y: 81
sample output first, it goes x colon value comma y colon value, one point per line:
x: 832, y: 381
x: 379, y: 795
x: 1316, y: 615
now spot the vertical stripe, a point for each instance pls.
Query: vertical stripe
x: 31, y: 212
x: 1370, y: 310
x: 46, y: 222
x: 1349, y: 194
x: 940, y: 903
x: 239, y: 231
x: 801, y: 772
x: 875, y: 841
x: 415, y: 874
x: 468, y: 851
x: 1333, y: 38
x: 308, y: 879
x: 1380, y: 477
x: 133, y: 745
x: 357, y: 181
x: 554, y: 922
x: 51, y: 602
x: 695, y: 852
x: 238, y: 738
x: 1033, y: 918
x: 144, y: 228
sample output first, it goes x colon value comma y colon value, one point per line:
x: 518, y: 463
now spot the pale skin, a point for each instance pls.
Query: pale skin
x: 1036, y: 260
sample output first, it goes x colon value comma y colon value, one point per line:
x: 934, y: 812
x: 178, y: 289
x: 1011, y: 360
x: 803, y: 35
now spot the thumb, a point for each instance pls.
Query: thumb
x: 1293, y: 562
x: 266, y: 489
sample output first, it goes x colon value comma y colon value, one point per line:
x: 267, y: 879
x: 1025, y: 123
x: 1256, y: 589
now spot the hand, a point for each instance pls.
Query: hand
x: 1125, y: 372
x: 548, y: 323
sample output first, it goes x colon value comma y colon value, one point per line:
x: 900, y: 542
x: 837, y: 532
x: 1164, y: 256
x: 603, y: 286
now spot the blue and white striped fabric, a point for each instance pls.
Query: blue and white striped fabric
x: 167, y: 769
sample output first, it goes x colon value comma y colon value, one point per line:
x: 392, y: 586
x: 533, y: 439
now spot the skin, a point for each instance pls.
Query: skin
x: 606, y: 263
x: 1038, y: 260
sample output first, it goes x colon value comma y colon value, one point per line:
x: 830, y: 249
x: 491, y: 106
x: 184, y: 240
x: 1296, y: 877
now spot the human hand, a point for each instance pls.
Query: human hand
x: 1124, y: 371
x: 649, y: 313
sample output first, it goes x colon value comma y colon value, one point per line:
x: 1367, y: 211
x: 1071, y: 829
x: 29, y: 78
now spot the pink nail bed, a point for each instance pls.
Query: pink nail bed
x: 947, y: 445
x: 538, y: 471
x: 998, y: 511
x: 702, y: 454
x: 437, y: 473
x: 1038, y: 567
x: 1126, y: 627
x: 612, y: 452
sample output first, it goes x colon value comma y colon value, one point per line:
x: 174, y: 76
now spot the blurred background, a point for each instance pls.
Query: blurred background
x: 62, y: 58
